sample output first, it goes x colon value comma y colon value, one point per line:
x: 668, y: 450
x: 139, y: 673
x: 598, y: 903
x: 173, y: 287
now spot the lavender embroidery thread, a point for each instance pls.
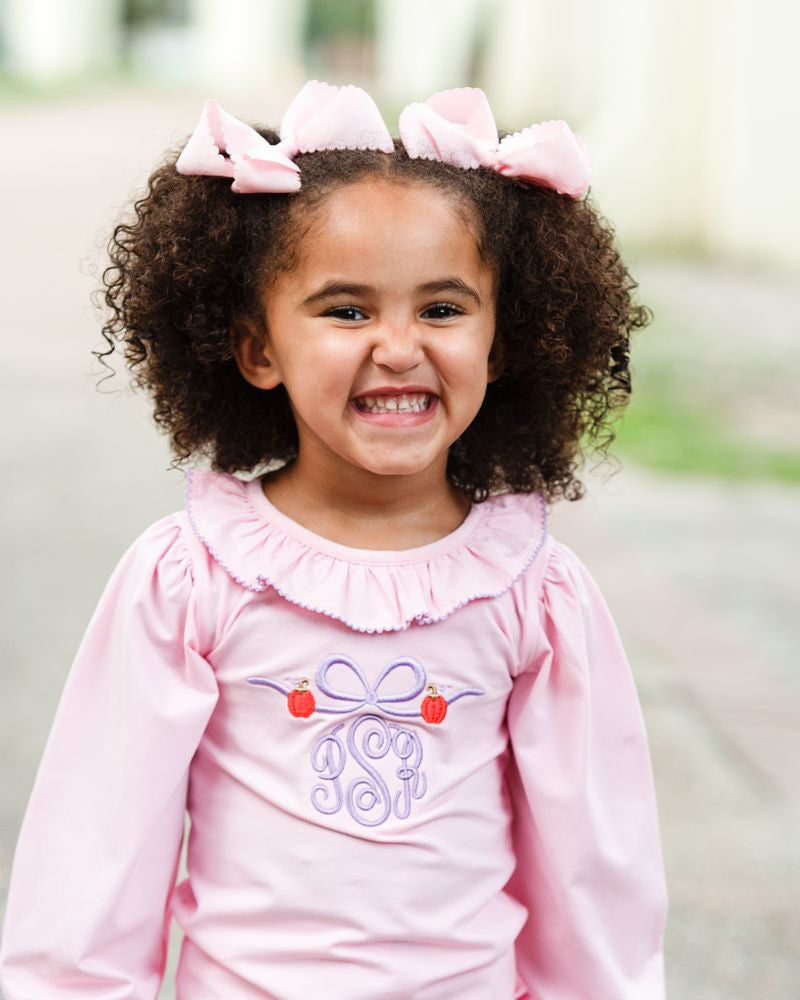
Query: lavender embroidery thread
x: 371, y: 694
x: 378, y: 737
x: 363, y: 794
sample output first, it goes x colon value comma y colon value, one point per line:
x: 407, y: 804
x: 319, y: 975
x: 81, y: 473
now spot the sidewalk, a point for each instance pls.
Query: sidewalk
x: 702, y: 578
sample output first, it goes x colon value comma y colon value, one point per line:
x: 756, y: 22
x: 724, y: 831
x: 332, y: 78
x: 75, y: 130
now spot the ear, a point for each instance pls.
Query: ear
x: 254, y: 355
x: 495, y: 360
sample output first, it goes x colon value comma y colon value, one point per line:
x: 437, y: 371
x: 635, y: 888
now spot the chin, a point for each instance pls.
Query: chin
x: 395, y: 468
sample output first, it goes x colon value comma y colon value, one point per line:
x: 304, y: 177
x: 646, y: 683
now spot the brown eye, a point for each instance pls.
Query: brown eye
x: 345, y: 309
x: 451, y: 310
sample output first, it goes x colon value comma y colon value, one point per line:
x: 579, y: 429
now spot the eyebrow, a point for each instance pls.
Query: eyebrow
x: 333, y: 289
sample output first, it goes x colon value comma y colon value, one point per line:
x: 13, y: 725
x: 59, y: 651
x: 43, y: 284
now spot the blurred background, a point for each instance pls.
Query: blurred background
x: 689, y: 112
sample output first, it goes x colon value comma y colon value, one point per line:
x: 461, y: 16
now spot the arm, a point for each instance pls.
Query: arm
x: 586, y: 832
x: 87, y: 913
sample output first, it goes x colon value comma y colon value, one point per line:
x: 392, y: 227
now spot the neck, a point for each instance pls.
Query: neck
x: 365, y: 509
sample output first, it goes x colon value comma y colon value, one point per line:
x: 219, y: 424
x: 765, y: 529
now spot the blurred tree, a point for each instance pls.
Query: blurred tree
x: 136, y: 13
x: 326, y: 19
x: 339, y: 39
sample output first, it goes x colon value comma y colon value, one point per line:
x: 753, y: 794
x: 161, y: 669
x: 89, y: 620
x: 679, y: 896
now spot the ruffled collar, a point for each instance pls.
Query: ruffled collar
x: 369, y: 590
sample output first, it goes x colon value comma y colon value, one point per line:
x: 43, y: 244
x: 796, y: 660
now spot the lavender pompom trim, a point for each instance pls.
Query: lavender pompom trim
x: 187, y: 497
x: 264, y: 582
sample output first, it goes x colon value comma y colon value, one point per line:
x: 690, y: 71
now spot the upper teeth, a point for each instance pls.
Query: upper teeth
x: 414, y: 402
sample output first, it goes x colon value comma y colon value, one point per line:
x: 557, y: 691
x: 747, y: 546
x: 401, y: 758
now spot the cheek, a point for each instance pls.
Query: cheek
x: 466, y: 360
x: 324, y: 367
x: 332, y: 367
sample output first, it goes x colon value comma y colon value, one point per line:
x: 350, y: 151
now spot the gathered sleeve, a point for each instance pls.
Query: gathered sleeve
x: 87, y: 914
x: 585, y: 819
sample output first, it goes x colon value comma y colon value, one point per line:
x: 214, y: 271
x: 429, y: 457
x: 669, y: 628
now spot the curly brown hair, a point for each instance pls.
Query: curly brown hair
x: 196, y: 257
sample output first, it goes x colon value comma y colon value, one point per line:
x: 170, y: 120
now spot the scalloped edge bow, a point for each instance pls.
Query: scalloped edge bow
x: 321, y: 116
x: 457, y: 126
x: 454, y: 126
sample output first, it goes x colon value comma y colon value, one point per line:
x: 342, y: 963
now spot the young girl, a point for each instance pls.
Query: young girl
x: 397, y: 709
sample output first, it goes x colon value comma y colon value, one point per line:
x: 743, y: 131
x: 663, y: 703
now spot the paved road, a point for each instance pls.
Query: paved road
x: 701, y: 575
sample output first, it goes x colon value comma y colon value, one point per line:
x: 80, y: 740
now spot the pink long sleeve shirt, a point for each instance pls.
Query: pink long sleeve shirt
x: 411, y: 775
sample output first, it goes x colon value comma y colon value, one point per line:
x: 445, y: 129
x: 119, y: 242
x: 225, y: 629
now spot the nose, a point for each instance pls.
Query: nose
x: 398, y: 346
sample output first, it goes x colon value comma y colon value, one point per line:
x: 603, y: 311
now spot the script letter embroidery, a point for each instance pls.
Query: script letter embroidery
x: 368, y: 737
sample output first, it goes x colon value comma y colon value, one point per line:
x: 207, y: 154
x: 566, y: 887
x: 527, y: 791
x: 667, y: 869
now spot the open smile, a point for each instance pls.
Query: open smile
x: 407, y: 410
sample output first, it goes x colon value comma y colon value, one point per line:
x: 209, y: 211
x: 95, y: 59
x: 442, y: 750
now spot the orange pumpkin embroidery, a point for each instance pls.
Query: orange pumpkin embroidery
x: 434, y: 707
x: 301, y: 701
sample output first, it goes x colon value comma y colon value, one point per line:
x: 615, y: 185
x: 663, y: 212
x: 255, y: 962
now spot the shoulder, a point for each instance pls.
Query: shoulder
x: 557, y: 601
x: 562, y: 593
x: 166, y: 536
x: 160, y: 553
x: 568, y: 578
x: 562, y: 565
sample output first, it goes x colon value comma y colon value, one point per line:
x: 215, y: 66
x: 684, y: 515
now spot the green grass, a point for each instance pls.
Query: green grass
x: 687, y: 403
x: 667, y: 435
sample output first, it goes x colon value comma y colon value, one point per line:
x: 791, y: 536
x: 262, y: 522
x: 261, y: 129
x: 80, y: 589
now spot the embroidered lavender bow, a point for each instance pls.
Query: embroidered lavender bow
x: 458, y: 127
x: 370, y: 693
x: 320, y: 116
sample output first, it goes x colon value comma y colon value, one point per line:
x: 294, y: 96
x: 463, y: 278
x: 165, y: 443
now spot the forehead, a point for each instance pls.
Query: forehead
x: 385, y: 227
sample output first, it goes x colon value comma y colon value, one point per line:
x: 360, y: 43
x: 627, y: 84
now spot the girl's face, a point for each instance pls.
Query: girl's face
x: 390, y: 296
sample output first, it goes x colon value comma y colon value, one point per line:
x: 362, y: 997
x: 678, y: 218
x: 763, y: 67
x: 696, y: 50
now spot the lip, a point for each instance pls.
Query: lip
x: 395, y: 419
x: 394, y: 390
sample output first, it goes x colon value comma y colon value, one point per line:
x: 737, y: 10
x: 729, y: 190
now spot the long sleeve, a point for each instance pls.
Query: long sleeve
x: 87, y: 914
x: 585, y: 819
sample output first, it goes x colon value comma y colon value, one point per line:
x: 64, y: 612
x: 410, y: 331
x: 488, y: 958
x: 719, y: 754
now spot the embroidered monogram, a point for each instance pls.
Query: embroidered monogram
x: 367, y: 795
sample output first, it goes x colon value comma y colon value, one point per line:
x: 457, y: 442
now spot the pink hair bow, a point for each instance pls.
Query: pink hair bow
x: 457, y: 126
x: 321, y: 116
